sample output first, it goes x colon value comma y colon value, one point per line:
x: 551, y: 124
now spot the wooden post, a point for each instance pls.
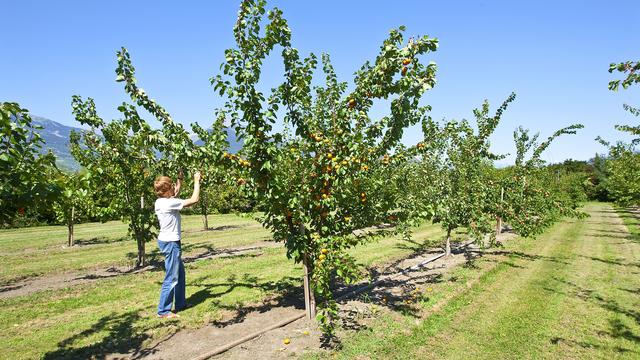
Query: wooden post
x: 70, y: 225
x: 498, y: 218
x: 309, y: 297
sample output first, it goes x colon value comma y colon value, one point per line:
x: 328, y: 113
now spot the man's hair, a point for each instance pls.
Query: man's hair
x: 162, y: 186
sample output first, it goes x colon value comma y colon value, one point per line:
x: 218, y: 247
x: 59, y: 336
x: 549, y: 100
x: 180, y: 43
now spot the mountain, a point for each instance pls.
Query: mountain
x: 234, y: 144
x: 56, y: 137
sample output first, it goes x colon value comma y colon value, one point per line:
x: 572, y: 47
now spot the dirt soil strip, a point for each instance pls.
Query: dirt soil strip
x: 70, y: 279
x: 393, y: 283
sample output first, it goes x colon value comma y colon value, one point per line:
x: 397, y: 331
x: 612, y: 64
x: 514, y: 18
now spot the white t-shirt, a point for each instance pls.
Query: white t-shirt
x: 168, y: 213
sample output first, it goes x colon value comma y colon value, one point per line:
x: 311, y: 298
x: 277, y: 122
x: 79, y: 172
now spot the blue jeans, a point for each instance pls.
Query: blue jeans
x: 174, y: 278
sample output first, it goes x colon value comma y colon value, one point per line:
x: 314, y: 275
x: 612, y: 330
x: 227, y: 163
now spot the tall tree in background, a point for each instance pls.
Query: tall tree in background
x: 25, y: 174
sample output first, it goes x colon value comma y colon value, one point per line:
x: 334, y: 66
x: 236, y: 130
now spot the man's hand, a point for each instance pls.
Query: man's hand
x: 197, y: 176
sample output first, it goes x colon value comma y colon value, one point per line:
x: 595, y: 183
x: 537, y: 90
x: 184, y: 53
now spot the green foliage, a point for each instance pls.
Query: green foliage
x: 632, y: 71
x: 75, y: 202
x: 124, y: 160
x: 622, y: 166
x: 25, y: 174
x: 119, y: 163
x: 530, y: 197
x: 456, y: 168
x: 324, y: 177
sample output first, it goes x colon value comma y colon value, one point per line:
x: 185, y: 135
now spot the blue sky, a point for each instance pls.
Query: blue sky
x: 553, y: 54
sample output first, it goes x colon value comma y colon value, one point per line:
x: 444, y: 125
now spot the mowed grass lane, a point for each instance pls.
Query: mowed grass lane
x: 117, y: 315
x: 43, y: 250
x: 572, y: 293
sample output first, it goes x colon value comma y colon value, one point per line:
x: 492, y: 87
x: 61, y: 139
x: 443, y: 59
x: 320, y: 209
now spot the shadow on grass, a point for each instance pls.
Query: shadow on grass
x: 617, y: 261
x: 618, y: 329
x: 217, y: 228
x: 101, y: 240
x: 588, y: 345
x: 286, y: 292
x: 155, y: 260
x: 529, y: 257
x: 121, y: 335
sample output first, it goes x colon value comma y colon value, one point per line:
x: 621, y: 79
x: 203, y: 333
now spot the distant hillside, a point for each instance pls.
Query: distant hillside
x: 234, y: 144
x: 56, y: 137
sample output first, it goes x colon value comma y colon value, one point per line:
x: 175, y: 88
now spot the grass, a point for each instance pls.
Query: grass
x: 117, y: 315
x: 42, y: 250
x: 571, y: 293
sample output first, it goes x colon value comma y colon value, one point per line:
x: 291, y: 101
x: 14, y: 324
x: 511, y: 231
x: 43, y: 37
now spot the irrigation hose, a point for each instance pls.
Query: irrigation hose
x: 228, y: 346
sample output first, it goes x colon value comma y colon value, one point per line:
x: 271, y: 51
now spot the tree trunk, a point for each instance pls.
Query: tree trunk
x: 447, y: 249
x: 205, y: 210
x: 142, y: 257
x: 205, y: 220
x: 309, y: 296
x: 141, y: 261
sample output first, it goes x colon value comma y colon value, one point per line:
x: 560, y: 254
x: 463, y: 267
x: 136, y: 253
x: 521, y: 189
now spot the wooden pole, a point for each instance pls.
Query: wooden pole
x: 73, y: 210
x: 309, y: 297
x: 499, y: 219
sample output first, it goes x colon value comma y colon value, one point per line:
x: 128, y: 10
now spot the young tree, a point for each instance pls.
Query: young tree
x: 121, y: 162
x: 25, y: 173
x: 319, y: 181
x: 530, y: 197
x: 74, y: 203
x: 460, y: 171
x: 175, y: 145
x: 129, y: 153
